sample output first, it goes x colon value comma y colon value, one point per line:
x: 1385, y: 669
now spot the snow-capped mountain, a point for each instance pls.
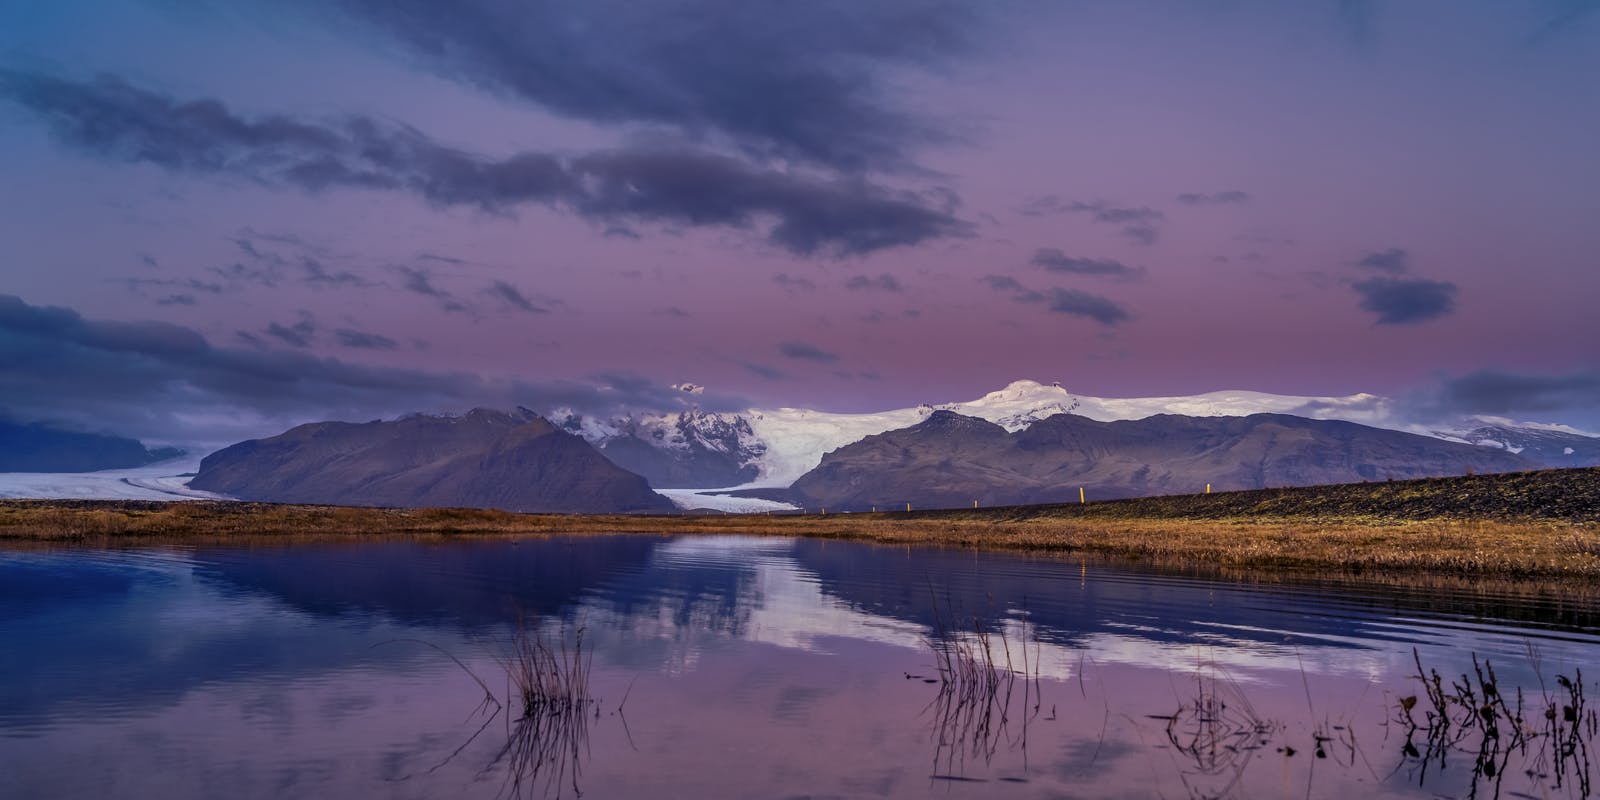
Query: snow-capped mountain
x: 773, y: 447
x: 685, y: 450
x: 1552, y: 445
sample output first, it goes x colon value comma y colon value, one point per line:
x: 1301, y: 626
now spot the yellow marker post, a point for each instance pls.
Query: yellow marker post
x: 974, y: 504
x: 908, y: 508
x: 1080, y: 495
x: 1208, y: 488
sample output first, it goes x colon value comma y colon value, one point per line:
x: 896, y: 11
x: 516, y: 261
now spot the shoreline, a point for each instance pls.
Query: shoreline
x: 1471, y: 527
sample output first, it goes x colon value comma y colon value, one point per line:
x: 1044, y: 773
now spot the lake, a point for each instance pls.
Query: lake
x: 769, y: 667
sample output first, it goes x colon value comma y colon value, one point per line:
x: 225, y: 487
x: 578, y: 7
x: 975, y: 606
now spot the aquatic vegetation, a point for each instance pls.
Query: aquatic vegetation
x: 1547, y: 738
x: 1218, y: 731
x: 977, y: 676
x: 548, y: 674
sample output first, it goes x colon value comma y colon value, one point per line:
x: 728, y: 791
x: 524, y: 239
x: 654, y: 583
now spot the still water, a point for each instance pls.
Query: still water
x: 767, y: 667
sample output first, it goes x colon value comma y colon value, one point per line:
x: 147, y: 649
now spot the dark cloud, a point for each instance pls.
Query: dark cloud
x: 1083, y: 304
x: 1061, y: 301
x: 297, y: 335
x: 1404, y: 301
x: 513, y: 298
x: 1224, y: 198
x: 240, y: 273
x: 274, y: 254
x: 1002, y: 283
x: 763, y: 371
x: 1504, y: 393
x: 318, y: 275
x: 884, y: 282
x: 362, y: 340
x: 1394, y: 260
x: 1138, y: 224
x: 672, y: 311
x: 675, y: 185
x: 177, y: 300
x: 1142, y: 233
x: 419, y: 280
x: 793, y: 284
x: 138, y: 285
x: 152, y: 379
x: 805, y: 351
x: 801, y: 81
x: 1053, y: 260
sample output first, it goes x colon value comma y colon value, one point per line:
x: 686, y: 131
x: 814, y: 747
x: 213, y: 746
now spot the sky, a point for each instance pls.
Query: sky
x: 222, y: 218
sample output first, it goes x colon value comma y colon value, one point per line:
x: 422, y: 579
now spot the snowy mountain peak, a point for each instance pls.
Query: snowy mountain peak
x: 784, y: 443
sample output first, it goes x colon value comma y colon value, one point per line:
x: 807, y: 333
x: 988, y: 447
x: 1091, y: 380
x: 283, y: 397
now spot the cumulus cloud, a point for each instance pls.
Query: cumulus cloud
x: 1224, y: 198
x: 883, y: 282
x: 1054, y: 260
x: 1405, y: 301
x: 703, y: 68
x: 804, y: 213
x: 163, y: 381
x: 805, y: 351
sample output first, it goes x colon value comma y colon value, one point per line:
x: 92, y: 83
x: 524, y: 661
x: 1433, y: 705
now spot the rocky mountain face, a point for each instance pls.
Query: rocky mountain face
x: 687, y: 450
x: 483, y: 459
x: 950, y: 460
x: 41, y: 448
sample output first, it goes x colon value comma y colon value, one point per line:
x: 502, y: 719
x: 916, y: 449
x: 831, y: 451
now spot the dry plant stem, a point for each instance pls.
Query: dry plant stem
x: 550, y: 683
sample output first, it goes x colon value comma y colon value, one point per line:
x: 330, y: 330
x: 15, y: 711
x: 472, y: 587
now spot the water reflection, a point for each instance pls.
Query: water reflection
x: 749, y: 667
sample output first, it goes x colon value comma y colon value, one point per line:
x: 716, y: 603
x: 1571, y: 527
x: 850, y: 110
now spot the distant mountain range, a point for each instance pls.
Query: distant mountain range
x: 774, y: 447
x: 41, y: 448
x: 513, y: 461
x: 951, y: 460
x: 1028, y: 442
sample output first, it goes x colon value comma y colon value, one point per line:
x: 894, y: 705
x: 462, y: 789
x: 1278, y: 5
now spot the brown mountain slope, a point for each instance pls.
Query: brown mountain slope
x: 949, y: 460
x: 484, y: 459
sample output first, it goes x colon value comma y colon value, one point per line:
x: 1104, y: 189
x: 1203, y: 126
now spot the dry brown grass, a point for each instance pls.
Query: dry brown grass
x: 1503, y: 548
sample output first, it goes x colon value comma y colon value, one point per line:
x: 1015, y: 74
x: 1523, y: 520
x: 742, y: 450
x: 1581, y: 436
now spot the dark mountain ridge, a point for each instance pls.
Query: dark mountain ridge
x: 36, y: 447
x: 514, y: 461
x: 951, y: 461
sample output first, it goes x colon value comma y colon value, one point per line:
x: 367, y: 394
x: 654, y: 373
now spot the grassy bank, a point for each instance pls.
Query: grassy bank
x: 1526, y: 525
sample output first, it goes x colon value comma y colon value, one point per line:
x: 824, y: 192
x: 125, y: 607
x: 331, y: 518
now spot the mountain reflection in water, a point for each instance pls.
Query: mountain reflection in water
x: 739, y: 667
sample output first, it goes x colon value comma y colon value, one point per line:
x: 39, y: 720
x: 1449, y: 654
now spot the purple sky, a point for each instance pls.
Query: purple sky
x: 311, y: 209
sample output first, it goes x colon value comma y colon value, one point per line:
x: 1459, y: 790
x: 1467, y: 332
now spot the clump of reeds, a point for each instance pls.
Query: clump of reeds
x: 547, y: 675
x: 548, y: 679
x: 977, y: 681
